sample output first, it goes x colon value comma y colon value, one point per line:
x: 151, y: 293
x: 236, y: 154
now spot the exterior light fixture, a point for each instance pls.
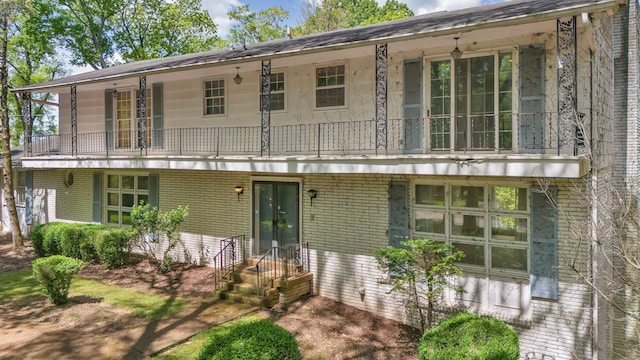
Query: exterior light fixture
x: 312, y: 195
x: 237, y: 79
x: 239, y: 190
x: 115, y: 91
x: 456, y: 54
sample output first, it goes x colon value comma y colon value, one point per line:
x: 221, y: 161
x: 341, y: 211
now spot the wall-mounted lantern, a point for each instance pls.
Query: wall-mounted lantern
x: 312, y: 195
x: 239, y: 190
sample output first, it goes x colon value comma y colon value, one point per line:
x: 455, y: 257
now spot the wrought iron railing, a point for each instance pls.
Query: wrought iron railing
x: 504, y: 132
x: 224, y: 262
x: 281, y: 263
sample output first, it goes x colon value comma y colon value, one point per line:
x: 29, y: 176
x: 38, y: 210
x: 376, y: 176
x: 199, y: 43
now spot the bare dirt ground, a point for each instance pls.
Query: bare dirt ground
x: 325, y: 329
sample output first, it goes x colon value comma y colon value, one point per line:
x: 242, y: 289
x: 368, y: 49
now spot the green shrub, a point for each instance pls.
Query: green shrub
x: 37, y: 238
x: 54, y: 273
x: 253, y: 338
x: 52, y: 238
x: 71, y: 236
x: 114, y: 247
x: 469, y: 337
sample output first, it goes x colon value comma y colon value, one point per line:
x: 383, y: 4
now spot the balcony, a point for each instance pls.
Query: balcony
x: 531, y: 133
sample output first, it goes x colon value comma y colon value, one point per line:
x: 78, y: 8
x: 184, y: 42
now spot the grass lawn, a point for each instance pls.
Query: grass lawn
x: 17, y: 285
x: 191, y: 348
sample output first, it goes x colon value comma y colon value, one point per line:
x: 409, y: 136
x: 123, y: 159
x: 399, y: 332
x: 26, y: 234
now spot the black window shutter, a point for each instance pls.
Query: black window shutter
x: 108, y: 118
x: 398, y: 213
x: 157, y: 131
x: 154, y: 190
x: 28, y: 198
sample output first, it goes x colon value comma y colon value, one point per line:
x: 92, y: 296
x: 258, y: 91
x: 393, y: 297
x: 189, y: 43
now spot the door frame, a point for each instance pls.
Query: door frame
x: 275, y: 179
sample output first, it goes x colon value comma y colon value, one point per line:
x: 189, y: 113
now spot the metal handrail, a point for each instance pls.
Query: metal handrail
x: 226, y: 259
x: 281, y: 263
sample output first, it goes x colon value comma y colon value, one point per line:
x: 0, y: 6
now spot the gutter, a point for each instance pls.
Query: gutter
x: 612, y: 5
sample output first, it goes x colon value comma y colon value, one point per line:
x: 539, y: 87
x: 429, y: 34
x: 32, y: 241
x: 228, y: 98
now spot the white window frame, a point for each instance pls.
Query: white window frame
x: 119, y: 207
x: 283, y: 91
x: 224, y: 97
x: 316, y: 88
x: 486, y: 213
x: 497, y: 93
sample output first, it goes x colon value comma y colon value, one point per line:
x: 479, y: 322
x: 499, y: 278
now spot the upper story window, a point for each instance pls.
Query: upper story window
x: 488, y: 223
x: 330, y: 86
x: 277, y: 91
x: 214, y: 97
x: 477, y: 114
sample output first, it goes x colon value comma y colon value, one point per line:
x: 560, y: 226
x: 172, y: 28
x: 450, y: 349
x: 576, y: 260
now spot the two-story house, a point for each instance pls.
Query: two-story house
x: 471, y: 127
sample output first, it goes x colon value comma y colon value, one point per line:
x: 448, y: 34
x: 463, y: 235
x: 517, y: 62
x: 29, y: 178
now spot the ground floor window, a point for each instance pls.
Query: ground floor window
x: 20, y: 187
x: 122, y: 193
x: 490, y: 224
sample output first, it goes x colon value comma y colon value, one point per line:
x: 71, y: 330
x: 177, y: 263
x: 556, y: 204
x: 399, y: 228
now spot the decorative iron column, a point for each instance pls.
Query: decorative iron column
x: 381, y: 97
x: 567, y: 54
x: 74, y: 121
x: 142, y: 114
x: 265, y: 109
x: 26, y: 122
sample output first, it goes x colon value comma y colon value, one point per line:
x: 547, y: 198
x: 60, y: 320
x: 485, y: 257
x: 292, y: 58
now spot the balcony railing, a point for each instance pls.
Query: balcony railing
x: 484, y: 133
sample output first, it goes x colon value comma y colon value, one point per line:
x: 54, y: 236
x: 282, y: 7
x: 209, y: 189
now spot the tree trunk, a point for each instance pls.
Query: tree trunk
x: 5, y: 141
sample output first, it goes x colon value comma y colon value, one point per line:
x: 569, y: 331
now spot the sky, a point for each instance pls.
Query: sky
x: 219, y: 8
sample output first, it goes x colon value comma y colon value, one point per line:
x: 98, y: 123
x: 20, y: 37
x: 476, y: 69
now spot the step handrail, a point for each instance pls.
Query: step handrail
x: 226, y: 259
x: 284, y: 261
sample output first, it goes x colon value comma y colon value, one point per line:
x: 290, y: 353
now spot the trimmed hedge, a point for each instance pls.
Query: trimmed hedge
x: 54, y: 273
x: 252, y: 338
x: 114, y: 247
x: 468, y: 336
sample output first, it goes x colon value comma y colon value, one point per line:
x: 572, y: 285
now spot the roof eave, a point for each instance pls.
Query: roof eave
x: 612, y: 5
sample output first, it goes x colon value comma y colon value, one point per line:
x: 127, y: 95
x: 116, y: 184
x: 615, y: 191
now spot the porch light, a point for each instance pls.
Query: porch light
x: 312, y: 195
x: 239, y: 190
x: 237, y: 79
x: 456, y: 54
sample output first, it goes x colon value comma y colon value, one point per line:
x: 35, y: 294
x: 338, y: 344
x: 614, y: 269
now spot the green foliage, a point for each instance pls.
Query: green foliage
x: 149, y: 224
x: 54, y: 273
x: 52, y: 238
x: 469, y: 337
x: 420, y: 271
x: 255, y: 27
x: 152, y: 29
x: 71, y: 236
x: 37, y: 238
x: 114, y: 247
x: 251, y: 338
x: 339, y: 14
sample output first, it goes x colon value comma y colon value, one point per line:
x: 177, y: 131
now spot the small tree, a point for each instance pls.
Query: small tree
x: 150, y: 224
x: 54, y: 273
x: 420, y: 271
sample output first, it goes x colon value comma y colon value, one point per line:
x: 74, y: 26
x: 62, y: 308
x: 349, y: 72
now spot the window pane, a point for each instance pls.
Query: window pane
x: 509, y: 198
x: 474, y: 254
x: 127, y: 182
x: 112, y: 199
x: 126, y: 218
x: 430, y: 221
x: 508, y: 228
x: 143, y: 182
x: 113, y: 217
x: 467, y: 225
x: 330, y: 97
x: 128, y: 200
x: 505, y: 258
x: 430, y: 195
x: 468, y: 197
x: 22, y: 178
x: 113, y: 181
x: 144, y: 198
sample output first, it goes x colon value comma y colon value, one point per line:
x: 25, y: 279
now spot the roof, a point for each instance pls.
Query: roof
x: 432, y: 24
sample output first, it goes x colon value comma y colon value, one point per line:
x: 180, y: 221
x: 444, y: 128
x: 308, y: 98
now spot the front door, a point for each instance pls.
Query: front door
x: 276, y: 215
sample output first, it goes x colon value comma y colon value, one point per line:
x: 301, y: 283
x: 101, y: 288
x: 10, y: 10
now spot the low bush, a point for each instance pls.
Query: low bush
x: 53, y: 238
x: 114, y: 247
x: 37, y: 238
x: 54, y: 273
x: 469, y: 337
x: 71, y: 236
x: 252, y: 338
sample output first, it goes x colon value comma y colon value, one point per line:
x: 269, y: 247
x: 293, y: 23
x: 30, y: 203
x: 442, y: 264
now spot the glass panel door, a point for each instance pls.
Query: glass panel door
x: 276, y: 215
x: 123, y: 119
